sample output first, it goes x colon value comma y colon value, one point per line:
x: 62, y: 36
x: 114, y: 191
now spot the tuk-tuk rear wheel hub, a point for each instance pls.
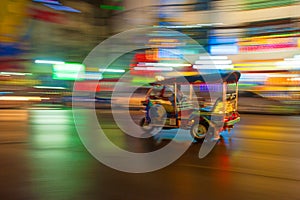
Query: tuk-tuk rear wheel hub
x: 199, y: 131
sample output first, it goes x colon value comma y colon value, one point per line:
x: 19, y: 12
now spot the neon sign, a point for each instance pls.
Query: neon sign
x: 263, y: 44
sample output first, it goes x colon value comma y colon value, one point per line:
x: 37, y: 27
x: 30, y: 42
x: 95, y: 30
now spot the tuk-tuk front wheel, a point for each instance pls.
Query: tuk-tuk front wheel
x: 199, y: 130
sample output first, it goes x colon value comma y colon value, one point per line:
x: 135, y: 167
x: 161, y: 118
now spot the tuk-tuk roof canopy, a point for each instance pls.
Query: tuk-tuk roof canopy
x: 228, y: 77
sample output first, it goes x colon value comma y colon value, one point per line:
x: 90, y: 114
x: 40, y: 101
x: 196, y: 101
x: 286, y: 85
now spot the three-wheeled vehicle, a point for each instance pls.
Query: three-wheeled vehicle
x: 198, y: 103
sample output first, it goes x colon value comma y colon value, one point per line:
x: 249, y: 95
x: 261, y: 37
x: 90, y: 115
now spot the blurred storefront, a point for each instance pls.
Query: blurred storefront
x: 259, y: 38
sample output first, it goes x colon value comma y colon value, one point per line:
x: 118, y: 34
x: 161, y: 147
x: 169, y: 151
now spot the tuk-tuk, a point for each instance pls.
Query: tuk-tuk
x: 189, y: 102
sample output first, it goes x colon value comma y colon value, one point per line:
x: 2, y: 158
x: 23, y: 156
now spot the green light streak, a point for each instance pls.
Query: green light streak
x: 258, y: 4
x: 68, y: 71
x: 110, y: 7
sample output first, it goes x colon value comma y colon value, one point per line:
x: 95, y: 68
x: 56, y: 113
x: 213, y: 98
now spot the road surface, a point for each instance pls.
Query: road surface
x: 42, y: 157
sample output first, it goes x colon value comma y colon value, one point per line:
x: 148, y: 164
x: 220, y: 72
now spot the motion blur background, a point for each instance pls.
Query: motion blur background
x: 44, y: 42
x: 43, y: 45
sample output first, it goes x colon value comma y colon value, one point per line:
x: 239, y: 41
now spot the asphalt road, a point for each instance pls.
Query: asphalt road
x: 42, y: 157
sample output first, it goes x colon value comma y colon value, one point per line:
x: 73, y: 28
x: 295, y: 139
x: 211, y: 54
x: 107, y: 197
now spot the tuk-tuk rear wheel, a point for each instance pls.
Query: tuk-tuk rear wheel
x: 146, y: 127
x: 143, y: 123
x: 199, y: 130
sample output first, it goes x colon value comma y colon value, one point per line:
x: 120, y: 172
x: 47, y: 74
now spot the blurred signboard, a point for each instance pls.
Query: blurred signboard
x: 89, y: 86
x: 68, y: 71
x: 47, y: 16
x: 223, y: 49
x: 47, y: 81
x: 280, y: 26
x: 222, y: 45
x: 169, y: 12
x: 267, y: 43
x: 12, y: 17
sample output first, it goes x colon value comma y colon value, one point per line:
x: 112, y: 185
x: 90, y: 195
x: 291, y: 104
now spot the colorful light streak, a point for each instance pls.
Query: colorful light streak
x: 213, y: 57
x: 22, y: 98
x: 112, y: 70
x: 48, y: 87
x: 213, y: 66
x: 52, y: 62
x: 15, y: 74
x: 68, y: 71
x: 111, y: 7
x: 142, y: 64
x: 213, y: 62
x: 153, y: 68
